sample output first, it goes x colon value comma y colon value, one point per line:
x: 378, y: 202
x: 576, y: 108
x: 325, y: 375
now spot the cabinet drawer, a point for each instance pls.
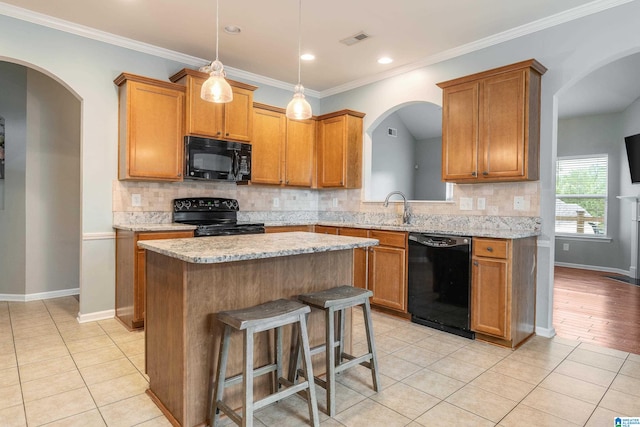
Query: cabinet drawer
x: 164, y: 235
x: 326, y: 230
x: 491, y: 248
x: 390, y: 238
x: 353, y: 232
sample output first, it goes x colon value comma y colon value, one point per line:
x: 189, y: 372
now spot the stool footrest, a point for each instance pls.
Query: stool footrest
x: 289, y: 391
x: 362, y: 360
x: 229, y: 412
x: 236, y: 379
x: 322, y: 348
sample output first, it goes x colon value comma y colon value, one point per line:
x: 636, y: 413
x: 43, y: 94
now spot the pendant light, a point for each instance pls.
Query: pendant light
x: 216, y: 88
x: 299, y: 108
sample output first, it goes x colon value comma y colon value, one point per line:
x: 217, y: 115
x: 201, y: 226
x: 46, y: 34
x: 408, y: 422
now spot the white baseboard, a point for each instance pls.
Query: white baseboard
x: 592, y: 268
x: 40, y: 295
x: 545, y: 332
x: 98, y: 315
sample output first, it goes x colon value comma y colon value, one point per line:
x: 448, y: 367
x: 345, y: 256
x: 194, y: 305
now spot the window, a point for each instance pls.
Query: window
x: 581, y: 195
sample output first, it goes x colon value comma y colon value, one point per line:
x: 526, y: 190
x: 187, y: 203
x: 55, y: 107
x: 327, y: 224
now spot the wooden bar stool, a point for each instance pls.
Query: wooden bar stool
x: 332, y: 301
x: 270, y: 315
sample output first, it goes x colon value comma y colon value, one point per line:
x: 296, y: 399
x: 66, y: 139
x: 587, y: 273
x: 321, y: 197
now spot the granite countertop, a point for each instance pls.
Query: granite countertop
x: 218, y: 249
x: 172, y: 226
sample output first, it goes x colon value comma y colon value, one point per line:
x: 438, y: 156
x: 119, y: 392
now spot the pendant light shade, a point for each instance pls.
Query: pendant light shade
x: 299, y: 108
x: 216, y: 88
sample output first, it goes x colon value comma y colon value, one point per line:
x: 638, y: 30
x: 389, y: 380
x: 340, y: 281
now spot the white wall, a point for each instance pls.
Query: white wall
x: 13, y: 107
x: 52, y: 186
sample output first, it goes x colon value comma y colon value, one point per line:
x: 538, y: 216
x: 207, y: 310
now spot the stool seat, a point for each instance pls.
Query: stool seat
x: 346, y: 296
x: 264, y: 316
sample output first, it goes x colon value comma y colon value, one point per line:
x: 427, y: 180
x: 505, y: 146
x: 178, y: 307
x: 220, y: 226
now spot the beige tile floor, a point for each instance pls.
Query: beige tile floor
x: 57, y: 372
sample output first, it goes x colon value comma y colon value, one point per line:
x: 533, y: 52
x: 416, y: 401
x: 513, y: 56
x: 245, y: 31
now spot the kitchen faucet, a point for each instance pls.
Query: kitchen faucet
x: 406, y: 216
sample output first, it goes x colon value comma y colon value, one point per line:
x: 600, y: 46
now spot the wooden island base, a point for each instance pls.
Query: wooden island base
x: 181, y: 331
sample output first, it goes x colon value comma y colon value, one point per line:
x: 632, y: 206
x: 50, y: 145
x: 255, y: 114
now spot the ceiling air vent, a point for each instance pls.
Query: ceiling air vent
x: 392, y: 132
x: 355, y: 38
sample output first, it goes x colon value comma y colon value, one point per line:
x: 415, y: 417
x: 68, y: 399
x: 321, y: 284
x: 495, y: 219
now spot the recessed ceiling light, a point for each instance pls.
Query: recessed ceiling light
x: 232, y: 29
x: 307, y: 57
x: 385, y: 60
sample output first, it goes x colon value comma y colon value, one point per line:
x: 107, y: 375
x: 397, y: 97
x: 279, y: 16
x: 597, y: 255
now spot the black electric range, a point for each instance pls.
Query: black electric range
x: 213, y: 216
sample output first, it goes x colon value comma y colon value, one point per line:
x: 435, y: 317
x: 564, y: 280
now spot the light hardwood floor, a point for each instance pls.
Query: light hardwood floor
x: 590, y: 307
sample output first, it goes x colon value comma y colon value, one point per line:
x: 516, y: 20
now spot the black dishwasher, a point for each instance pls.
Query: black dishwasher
x: 440, y: 282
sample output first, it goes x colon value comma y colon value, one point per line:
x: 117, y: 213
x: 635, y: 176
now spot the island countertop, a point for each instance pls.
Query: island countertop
x: 210, y: 250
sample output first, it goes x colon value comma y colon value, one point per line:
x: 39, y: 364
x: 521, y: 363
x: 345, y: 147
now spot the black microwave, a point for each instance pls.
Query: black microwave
x: 215, y: 160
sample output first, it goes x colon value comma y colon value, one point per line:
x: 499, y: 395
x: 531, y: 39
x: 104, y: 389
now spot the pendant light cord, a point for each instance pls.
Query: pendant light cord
x: 299, y: 36
x: 217, y: 26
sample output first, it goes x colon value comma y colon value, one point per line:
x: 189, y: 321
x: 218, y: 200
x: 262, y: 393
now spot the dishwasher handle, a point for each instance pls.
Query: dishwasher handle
x: 436, y: 241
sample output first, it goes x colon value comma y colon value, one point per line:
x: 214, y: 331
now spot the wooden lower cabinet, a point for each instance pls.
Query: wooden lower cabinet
x: 131, y: 273
x: 382, y: 269
x: 503, y: 290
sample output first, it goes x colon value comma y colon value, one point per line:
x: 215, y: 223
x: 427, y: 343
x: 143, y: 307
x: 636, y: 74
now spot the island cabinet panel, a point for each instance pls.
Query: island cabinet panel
x: 229, y: 121
x: 339, y: 151
x: 131, y: 274
x: 150, y: 129
x: 183, y: 334
x: 503, y: 290
x: 491, y: 125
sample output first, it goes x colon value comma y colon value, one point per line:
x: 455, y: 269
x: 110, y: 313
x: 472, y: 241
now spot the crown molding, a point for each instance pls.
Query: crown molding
x: 91, y: 33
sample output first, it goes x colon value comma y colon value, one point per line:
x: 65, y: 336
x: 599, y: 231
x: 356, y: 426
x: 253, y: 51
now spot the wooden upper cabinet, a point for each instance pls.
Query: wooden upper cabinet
x: 268, y: 145
x: 229, y: 121
x: 299, y: 150
x: 491, y: 125
x: 150, y: 129
x: 339, y: 151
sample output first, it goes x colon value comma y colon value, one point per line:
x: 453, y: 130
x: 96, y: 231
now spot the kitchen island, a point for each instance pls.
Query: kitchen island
x: 190, y: 280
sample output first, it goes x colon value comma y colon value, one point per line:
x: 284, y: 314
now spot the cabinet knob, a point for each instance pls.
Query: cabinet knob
x: 227, y: 134
x: 474, y: 173
x: 287, y: 182
x: 475, y: 263
x: 489, y: 249
x: 485, y: 173
x: 179, y: 175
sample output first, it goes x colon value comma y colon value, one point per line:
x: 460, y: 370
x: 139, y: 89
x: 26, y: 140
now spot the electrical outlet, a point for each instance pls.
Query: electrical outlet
x: 466, y: 203
x: 335, y: 202
x: 276, y: 202
x: 565, y: 246
x: 136, y: 200
x: 480, y: 203
x: 518, y: 203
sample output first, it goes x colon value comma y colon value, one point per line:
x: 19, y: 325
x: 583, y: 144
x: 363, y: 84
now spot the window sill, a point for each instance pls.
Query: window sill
x: 592, y: 238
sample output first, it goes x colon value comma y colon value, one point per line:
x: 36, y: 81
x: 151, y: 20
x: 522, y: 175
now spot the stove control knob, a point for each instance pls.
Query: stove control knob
x: 187, y: 204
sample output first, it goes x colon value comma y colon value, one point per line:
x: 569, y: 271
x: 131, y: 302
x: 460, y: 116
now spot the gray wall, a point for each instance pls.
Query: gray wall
x: 392, y: 160
x: 13, y: 107
x: 600, y: 134
x: 428, y: 175
x: 41, y: 222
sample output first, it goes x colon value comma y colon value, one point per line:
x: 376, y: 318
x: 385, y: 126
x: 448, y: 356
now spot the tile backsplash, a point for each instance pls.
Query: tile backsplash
x: 495, y: 203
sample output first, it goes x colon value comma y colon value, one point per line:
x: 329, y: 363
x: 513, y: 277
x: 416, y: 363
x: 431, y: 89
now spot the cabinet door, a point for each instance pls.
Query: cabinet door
x: 489, y: 300
x: 267, y: 146
x: 360, y: 257
x: 502, y: 125
x: 332, y: 152
x: 299, y: 152
x: 238, y: 116
x: 387, y: 278
x: 203, y: 118
x: 460, y: 132
x: 151, y: 146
